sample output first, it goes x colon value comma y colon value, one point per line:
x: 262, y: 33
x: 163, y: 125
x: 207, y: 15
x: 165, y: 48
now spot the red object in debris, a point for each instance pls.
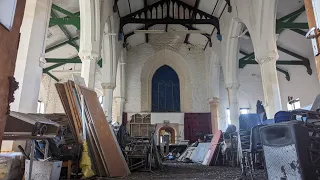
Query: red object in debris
x: 213, y: 148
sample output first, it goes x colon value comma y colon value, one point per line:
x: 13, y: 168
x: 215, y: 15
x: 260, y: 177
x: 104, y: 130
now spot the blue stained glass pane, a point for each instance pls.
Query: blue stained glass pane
x: 165, y: 90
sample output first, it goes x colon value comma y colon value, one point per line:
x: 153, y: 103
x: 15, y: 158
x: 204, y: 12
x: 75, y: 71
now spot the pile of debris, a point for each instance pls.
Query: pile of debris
x: 204, y: 153
x: 88, y: 124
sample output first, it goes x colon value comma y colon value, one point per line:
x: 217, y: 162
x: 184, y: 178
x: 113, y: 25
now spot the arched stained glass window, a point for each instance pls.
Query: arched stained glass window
x: 165, y: 90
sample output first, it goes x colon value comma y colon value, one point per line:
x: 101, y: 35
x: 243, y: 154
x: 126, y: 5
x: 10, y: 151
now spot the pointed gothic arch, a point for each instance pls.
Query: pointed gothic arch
x: 178, y: 64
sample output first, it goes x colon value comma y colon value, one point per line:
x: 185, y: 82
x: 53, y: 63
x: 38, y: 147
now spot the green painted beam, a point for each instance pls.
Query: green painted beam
x: 45, y: 70
x: 293, y: 14
x: 285, y: 25
x: 61, y: 44
x: 286, y: 73
x: 66, y: 21
x: 68, y: 13
x: 63, y: 29
x: 305, y: 60
x: 299, y: 31
x: 52, y: 76
x: 248, y: 56
x: 72, y: 60
x: 100, y: 63
x: 293, y: 54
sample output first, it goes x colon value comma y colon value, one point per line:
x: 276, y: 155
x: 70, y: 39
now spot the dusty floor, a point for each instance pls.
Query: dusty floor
x: 191, y: 171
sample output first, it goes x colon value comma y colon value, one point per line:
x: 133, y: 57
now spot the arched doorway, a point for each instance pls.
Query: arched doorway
x: 165, y: 90
x: 167, y: 133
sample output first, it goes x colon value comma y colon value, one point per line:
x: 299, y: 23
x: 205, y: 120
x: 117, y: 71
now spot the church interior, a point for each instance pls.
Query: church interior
x: 160, y: 89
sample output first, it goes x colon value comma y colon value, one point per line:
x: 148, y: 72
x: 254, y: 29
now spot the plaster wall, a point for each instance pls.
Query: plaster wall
x: 193, y: 58
x: 301, y: 85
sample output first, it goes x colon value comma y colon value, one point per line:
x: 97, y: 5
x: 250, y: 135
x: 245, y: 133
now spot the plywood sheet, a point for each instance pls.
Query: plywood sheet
x: 200, y: 152
x: 64, y: 100
x: 213, y: 148
x: 112, y: 154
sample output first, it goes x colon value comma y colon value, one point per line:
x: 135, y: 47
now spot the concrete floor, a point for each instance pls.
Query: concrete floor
x: 191, y: 171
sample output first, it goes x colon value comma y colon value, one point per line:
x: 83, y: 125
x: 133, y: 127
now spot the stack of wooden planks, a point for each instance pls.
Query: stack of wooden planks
x: 105, y: 153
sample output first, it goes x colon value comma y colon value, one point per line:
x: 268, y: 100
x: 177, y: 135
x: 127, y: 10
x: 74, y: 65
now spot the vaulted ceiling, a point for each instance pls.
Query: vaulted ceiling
x: 63, y: 41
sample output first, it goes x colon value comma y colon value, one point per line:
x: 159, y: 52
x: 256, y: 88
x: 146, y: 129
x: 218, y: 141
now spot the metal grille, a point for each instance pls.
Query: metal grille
x: 282, y: 162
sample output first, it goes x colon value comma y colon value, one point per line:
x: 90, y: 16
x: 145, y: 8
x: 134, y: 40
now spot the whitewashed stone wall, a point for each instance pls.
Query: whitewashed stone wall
x: 49, y: 95
x: 301, y: 86
x: 140, y: 54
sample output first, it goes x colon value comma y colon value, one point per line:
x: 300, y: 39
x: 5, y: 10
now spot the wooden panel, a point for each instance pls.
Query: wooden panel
x: 213, y: 149
x: 9, y: 41
x: 64, y: 100
x: 112, y: 154
x: 196, y: 123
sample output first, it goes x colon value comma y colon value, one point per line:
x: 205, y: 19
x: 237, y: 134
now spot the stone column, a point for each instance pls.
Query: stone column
x: 108, y: 99
x: 214, y: 108
x: 213, y: 73
x: 272, y: 100
x: 119, y: 108
x: 233, y: 103
x: 90, y: 43
x: 109, y: 69
x: 88, y: 70
x: 119, y: 92
x: 30, y: 57
x: 30, y: 60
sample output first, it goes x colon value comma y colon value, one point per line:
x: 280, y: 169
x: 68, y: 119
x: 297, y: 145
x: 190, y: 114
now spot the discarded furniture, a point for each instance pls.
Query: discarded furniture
x: 106, y: 155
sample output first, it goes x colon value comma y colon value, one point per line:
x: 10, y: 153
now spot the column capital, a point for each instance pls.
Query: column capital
x: 87, y: 56
x: 120, y: 99
x: 108, y: 85
x: 266, y: 59
x: 213, y: 100
x: 233, y: 86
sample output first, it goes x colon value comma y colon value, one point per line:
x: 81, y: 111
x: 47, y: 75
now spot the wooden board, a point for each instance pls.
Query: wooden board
x: 99, y: 164
x: 112, y: 154
x: 213, y: 148
x: 65, y: 103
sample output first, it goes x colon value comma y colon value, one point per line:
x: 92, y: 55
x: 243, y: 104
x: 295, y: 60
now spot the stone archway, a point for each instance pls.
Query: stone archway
x: 176, y: 62
x: 168, y: 131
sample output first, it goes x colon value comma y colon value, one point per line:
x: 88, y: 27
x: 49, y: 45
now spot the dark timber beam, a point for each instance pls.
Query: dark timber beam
x: 136, y: 17
x: 146, y: 16
x: 126, y: 36
x: 196, y: 5
x: 305, y: 61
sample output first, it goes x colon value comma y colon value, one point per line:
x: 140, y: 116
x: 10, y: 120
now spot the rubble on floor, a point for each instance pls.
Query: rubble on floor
x: 181, y: 171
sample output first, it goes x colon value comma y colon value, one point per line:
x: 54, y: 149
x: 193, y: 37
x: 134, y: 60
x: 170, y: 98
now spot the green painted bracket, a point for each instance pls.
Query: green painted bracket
x: 45, y: 70
x: 61, y: 44
x: 72, y: 60
x: 66, y: 21
x: 63, y: 11
x: 52, y: 76
x: 286, y: 73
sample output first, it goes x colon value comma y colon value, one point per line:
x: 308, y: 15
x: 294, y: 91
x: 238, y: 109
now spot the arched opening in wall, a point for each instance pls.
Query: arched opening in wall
x: 179, y: 65
x: 167, y: 135
x: 165, y: 90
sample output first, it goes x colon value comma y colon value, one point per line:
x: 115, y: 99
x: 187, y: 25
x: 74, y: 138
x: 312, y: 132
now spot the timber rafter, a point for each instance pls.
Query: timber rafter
x: 162, y: 15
